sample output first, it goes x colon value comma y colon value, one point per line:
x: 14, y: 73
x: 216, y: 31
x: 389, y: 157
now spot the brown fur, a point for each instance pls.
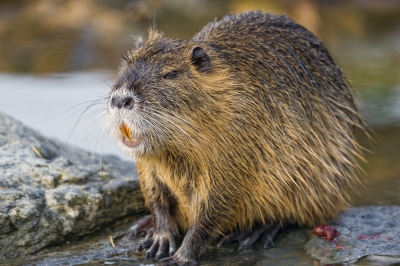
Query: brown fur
x: 265, y: 134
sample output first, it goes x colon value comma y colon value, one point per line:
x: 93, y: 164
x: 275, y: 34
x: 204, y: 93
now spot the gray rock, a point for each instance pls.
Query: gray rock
x: 51, y: 192
x: 367, y: 231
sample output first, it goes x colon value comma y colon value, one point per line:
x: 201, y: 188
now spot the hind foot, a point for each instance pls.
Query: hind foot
x: 144, y: 225
x: 246, y: 238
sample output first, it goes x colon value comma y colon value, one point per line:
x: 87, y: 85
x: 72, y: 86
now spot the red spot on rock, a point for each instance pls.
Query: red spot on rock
x: 325, y: 230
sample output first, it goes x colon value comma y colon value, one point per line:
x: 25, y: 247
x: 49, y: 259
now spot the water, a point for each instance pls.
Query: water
x: 53, y: 105
x: 382, y: 170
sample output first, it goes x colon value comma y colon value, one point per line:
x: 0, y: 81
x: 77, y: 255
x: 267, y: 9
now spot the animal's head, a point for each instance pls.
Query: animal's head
x: 163, y: 94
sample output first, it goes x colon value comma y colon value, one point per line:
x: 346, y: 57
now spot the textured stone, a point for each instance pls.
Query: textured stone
x: 51, y: 192
x: 365, y: 231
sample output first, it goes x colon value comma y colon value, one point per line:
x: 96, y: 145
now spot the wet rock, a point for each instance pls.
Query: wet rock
x: 367, y: 231
x: 51, y: 192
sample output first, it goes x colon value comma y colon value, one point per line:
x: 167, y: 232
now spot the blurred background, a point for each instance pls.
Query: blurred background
x: 58, y: 56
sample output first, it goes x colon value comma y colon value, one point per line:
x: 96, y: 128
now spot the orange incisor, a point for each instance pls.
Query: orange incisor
x: 126, y: 131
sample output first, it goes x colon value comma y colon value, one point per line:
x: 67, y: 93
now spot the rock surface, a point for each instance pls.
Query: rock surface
x: 365, y: 231
x: 51, y: 192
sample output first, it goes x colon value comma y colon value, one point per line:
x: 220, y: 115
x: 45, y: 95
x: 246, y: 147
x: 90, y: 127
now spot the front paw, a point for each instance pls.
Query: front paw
x: 158, y: 244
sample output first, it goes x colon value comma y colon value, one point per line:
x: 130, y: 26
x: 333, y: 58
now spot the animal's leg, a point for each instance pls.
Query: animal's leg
x: 190, y: 250
x: 161, y: 231
x: 163, y: 237
x: 196, y: 237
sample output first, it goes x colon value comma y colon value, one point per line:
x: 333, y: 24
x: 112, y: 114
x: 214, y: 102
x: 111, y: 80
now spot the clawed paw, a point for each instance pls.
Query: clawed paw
x: 157, y: 245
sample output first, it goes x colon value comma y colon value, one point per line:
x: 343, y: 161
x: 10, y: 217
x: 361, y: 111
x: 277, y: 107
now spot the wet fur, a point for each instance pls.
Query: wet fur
x: 265, y: 134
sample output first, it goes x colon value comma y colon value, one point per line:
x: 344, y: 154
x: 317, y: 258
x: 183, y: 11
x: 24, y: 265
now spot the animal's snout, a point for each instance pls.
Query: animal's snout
x: 126, y: 102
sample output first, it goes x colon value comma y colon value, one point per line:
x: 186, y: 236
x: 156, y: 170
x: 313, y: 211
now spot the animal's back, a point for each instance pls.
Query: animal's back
x: 295, y: 117
x: 269, y: 47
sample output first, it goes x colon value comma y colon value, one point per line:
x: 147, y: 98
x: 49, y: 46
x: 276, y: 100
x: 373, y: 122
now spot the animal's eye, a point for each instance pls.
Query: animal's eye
x: 170, y: 75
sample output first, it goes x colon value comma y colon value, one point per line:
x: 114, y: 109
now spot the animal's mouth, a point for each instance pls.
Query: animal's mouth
x: 127, y: 138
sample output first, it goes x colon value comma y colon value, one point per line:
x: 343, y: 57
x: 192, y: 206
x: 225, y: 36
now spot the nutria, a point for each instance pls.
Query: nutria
x: 246, y: 127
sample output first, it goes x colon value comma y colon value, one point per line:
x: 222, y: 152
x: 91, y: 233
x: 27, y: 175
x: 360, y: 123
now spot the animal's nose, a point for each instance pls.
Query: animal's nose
x: 122, y: 102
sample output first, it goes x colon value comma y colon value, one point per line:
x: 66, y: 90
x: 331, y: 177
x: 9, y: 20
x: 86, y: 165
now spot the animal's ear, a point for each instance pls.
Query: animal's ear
x: 200, y: 59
